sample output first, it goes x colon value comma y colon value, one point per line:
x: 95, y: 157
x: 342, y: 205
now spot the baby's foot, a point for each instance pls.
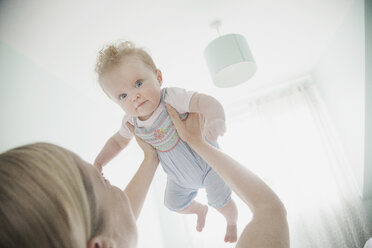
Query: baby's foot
x: 201, y: 218
x: 231, y: 234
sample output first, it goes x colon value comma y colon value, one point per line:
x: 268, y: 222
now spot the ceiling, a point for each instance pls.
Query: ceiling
x: 286, y: 37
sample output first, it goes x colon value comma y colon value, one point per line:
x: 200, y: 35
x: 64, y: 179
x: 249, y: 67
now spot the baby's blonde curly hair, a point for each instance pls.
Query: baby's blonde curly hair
x: 112, y: 54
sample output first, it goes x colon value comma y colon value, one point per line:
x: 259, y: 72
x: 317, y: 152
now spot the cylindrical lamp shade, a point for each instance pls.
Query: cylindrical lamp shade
x: 229, y: 60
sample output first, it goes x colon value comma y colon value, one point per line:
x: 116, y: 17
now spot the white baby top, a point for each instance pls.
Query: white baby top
x: 178, y: 98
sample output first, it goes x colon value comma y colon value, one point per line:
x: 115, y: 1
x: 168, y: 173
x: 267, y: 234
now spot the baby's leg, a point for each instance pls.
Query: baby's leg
x: 219, y: 194
x: 200, y: 210
x: 230, y: 212
x: 177, y: 197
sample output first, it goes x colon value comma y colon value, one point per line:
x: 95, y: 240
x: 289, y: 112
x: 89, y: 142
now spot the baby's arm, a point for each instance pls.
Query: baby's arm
x: 113, y: 146
x: 213, y: 112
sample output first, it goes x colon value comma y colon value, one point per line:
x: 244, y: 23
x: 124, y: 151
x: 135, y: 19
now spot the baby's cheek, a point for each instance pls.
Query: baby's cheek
x: 122, y: 106
x: 127, y: 108
x: 155, y: 93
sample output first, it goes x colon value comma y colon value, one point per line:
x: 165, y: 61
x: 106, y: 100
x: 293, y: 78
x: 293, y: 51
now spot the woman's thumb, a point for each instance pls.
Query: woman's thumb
x: 173, y: 114
x: 131, y: 127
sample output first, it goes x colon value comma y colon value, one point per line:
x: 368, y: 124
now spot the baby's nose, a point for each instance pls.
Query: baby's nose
x: 136, y: 96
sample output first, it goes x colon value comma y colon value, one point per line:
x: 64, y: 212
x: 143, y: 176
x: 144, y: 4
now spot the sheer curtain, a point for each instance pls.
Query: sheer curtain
x: 286, y: 138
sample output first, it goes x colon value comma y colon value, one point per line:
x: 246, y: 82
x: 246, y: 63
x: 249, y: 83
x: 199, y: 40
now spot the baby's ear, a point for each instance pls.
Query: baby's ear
x: 159, y: 76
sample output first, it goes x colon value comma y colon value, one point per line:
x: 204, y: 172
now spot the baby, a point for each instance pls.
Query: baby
x: 129, y: 77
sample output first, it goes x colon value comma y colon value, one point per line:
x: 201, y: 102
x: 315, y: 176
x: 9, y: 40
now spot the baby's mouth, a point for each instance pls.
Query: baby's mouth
x: 139, y: 105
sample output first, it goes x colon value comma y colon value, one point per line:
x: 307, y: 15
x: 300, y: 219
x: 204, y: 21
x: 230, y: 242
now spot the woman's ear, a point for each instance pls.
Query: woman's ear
x: 101, y: 242
x: 159, y: 76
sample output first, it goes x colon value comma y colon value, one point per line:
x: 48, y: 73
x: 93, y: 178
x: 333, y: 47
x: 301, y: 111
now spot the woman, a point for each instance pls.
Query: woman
x: 49, y: 197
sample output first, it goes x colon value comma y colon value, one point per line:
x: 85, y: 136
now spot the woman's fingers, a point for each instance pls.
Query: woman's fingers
x: 144, y: 145
x: 174, y: 116
x: 180, y: 125
x: 131, y: 127
x: 190, y: 129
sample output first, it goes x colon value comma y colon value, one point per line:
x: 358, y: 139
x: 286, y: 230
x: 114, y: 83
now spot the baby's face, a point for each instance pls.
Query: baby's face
x: 134, y: 86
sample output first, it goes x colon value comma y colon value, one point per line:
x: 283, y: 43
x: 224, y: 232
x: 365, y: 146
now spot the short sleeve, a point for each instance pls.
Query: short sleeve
x: 179, y: 98
x: 215, y: 128
x: 124, y: 130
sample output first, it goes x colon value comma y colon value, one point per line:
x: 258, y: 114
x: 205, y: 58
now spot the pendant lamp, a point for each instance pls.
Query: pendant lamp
x: 229, y: 59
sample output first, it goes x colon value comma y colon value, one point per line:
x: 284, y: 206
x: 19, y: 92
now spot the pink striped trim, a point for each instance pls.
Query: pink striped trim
x: 172, y: 146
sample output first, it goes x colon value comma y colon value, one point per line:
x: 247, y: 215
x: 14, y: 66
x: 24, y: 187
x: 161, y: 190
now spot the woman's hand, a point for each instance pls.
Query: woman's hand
x: 191, y: 129
x: 147, y: 149
x: 138, y: 187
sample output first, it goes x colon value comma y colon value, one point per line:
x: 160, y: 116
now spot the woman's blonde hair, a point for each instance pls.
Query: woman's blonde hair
x: 46, y: 199
x: 112, y: 54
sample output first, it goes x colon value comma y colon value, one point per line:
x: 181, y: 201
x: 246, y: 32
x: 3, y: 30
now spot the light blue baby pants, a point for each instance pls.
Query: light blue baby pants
x: 188, y: 172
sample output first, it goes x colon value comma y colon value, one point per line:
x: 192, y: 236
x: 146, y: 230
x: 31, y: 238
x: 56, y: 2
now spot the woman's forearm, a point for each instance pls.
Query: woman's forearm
x: 138, y: 187
x: 250, y: 188
x: 268, y: 227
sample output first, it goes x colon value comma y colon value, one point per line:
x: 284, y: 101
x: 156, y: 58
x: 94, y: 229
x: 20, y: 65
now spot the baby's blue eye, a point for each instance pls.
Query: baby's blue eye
x: 138, y: 83
x: 122, y: 96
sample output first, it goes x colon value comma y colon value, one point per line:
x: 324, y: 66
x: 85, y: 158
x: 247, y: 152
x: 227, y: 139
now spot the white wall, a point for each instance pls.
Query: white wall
x: 341, y: 79
x: 368, y: 139
x: 345, y: 81
x: 36, y: 106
